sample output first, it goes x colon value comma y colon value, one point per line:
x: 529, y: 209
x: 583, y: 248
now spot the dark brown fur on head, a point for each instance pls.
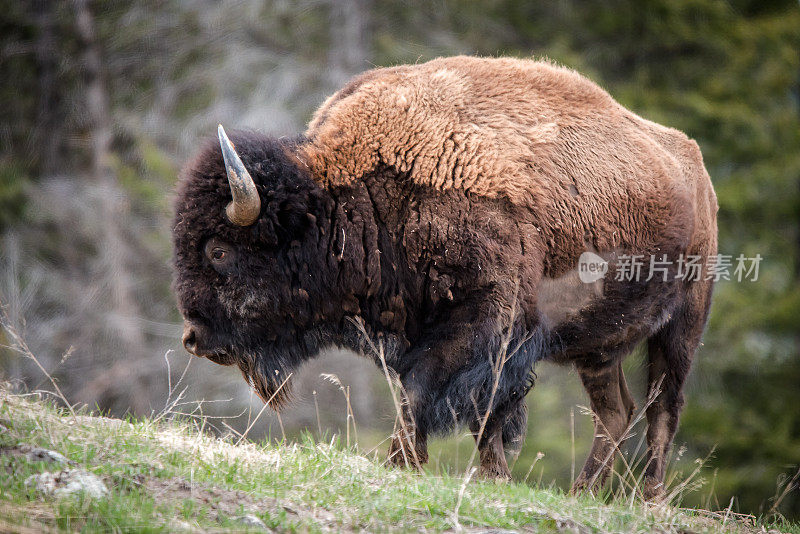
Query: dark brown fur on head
x: 256, y: 311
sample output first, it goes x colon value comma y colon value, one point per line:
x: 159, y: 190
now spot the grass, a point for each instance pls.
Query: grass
x: 167, y: 475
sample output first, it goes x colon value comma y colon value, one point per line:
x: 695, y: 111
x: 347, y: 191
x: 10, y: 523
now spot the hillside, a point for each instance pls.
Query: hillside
x: 161, y: 475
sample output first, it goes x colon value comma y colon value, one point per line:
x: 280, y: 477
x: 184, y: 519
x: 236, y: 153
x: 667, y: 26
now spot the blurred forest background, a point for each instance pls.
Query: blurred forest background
x: 102, y: 102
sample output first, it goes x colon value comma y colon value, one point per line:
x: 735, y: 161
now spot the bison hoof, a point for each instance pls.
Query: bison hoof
x: 578, y: 487
x: 399, y: 461
x: 497, y: 473
x: 397, y: 458
x: 581, y: 485
x: 653, y: 491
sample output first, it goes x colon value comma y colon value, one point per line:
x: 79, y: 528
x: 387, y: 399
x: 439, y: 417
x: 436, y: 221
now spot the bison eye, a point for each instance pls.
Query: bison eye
x: 219, y: 253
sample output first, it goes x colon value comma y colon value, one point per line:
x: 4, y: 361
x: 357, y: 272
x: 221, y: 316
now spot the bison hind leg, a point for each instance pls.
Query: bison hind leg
x: 670, y: 351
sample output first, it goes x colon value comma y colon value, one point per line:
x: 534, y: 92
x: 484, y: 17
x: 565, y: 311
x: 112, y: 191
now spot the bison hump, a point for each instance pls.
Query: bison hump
x: 486, y: 126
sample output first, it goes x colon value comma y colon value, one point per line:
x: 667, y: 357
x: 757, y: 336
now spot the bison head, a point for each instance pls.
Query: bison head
x: 247, y: 253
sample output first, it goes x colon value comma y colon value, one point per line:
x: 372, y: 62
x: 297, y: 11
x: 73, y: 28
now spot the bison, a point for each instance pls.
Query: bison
x: 435, y: 217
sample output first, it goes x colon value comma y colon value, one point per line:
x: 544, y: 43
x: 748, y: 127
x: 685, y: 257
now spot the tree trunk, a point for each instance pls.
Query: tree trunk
x: 97, y: 105
x: 48, y: 122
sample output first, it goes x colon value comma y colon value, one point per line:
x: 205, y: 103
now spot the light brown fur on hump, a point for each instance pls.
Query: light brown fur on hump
x: 537, y: 134
x: 462, y: 122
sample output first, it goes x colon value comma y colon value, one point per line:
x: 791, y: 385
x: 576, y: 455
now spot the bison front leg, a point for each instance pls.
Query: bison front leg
x: 464, y: 370
x: 408, y: 450
x: 492, y: 454
x: 424, y: 373
x: 503, y: 430
x: 409, y: 446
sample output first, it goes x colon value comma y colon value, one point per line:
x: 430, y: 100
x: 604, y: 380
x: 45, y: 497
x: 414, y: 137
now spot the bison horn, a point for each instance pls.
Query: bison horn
x: 246, y: 204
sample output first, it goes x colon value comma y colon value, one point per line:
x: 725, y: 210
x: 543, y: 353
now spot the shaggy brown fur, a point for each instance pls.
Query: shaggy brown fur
x: 446, y: 205
x: 535, y: 133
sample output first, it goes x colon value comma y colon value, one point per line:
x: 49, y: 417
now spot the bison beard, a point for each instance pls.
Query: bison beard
x: 271, y: 385
x: 443, y: 207
x: 268, y: 369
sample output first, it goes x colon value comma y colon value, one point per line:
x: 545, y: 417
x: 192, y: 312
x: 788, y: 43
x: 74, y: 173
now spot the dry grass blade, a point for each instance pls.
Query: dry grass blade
x: 689, y: 481
x: 170, y: 388
x: 790, y: 485
x: 170, y: 404
x: 351, y: 419
x: 539, y: 456
x: 316, y: 409
x: 461, y: 490
x: 21, y: 347
x: 572, y: 442
x: 232, y: 430
x: 727, y: 513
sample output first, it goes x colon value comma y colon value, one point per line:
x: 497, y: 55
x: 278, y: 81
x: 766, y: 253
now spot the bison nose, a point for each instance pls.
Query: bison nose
x: 189, y: 338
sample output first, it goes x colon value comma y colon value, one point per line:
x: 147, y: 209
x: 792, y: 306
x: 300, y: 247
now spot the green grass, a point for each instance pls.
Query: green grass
x: 167, y: 475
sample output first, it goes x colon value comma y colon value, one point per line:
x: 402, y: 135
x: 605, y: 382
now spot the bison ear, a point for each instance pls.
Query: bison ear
x: 293, y: 217
x: 292, y: 208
